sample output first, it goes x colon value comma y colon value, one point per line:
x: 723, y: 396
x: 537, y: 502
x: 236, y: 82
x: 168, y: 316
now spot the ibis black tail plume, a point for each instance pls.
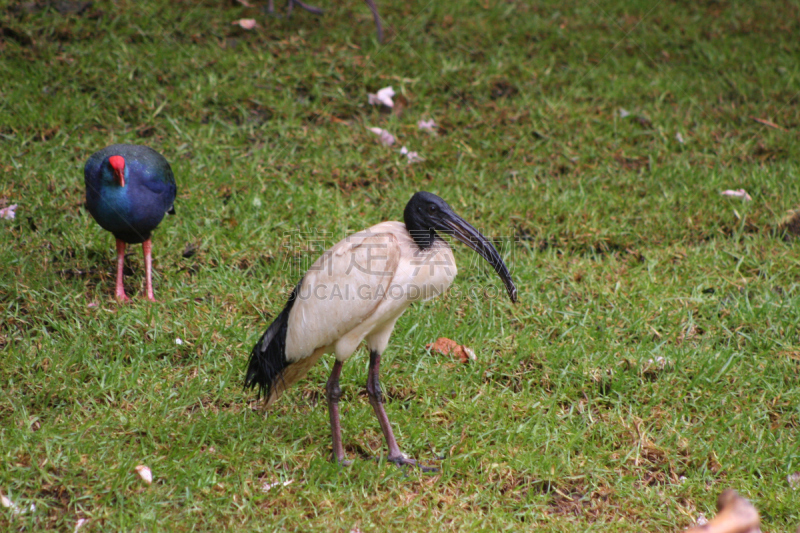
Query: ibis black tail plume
x: 268, y: 358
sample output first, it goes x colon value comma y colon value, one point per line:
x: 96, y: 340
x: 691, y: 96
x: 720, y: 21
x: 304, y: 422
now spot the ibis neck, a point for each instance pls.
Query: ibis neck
x: 423, y: 236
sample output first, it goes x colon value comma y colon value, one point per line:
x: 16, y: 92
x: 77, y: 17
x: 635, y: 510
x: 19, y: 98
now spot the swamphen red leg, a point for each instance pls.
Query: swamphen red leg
x: 147, y: 247
x: 120, y: 290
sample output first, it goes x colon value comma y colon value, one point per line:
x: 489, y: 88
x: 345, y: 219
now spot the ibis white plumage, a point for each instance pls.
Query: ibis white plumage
x: 355, y: 292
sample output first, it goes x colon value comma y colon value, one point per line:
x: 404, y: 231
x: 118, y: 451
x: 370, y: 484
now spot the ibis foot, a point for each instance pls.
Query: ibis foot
x: 303, y: 5
x: 402, y: 460
x: 376, y: 399
x: 342, y: 461
x: 290, y: 7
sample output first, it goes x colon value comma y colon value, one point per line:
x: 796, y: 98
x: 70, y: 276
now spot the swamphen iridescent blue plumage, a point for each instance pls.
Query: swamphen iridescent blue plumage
x: 129, y: 189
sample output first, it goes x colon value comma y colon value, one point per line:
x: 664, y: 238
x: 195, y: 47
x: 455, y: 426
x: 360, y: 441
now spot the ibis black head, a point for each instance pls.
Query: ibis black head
x: 426, y: 214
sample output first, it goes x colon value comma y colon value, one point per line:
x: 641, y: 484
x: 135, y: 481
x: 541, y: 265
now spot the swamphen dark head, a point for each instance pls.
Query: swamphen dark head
x: 129, y: 189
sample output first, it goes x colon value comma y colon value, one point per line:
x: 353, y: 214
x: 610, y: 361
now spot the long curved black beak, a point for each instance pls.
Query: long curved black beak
x: 464, y: 232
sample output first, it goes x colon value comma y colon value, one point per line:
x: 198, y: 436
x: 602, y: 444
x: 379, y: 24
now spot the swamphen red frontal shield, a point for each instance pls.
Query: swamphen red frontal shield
x: 129, y: 189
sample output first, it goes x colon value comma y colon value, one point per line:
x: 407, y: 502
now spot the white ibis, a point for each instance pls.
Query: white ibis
x: 356, y: 291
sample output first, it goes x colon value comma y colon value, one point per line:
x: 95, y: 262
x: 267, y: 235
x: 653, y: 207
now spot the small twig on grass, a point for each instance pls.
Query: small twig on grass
x: 767, y: 123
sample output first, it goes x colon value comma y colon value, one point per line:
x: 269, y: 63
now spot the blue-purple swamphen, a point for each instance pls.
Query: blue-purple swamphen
x: 129, y: 189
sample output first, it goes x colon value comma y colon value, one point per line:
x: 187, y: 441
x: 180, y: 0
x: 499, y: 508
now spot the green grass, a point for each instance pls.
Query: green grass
x: 623, y: 250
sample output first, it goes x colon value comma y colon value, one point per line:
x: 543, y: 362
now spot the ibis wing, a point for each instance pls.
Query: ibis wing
x: 342, y: 289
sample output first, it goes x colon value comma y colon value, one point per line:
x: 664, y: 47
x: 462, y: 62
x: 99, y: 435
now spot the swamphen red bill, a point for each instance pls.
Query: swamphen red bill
x: 129, y: 189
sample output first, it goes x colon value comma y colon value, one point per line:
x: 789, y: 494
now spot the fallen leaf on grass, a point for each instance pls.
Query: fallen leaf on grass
x: 659, y: 363
x: 654, y: 366
x: 382, y: 97
x: 8, y: 213
x: 384, y: 136
x: 790, y: 225
x: 413, y: 157
x: 429, y: 125
x: 400, y: 105
x: 738, y: 193
x: 267, y: 486
x: 191, y: 249
x: 15, y: 509
x: 145, y: 473
x: 245, y: 3
x: 247, y: 24
x: 735, y: 515
x: 446, y: 346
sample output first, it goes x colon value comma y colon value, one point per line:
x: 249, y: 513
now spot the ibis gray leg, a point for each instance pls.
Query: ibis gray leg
x: 376, y: 399
x: 310, y: 9
x: 333, y: 393
x: 374, y: 9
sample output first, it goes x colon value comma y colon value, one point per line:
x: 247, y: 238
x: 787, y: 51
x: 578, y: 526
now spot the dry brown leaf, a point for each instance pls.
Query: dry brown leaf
x: 446, y: 346
x: 735, y: 515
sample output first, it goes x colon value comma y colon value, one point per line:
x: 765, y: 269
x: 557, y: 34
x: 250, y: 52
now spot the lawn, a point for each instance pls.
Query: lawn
x: 652, y: 361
